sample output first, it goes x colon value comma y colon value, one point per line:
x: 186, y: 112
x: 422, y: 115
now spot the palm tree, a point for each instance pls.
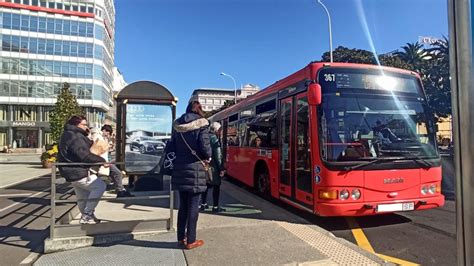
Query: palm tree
x: 415, y: 55
x: 440, y: 52
x: 438, y: 86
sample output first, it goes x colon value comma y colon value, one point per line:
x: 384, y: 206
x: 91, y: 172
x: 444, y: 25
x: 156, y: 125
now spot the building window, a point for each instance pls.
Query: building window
x: 3, y: 137
x: 25, y: 138
x: 48, y: 138
x: 4, y: 88
x: 3, y: 112
x: 24, y: 113
x: 46, y: 113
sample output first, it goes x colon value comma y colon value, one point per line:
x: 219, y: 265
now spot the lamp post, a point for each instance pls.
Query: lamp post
x: 330, y: 31
x: 235, y: 86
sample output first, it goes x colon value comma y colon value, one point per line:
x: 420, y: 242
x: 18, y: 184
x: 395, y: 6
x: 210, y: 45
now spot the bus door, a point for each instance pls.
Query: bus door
x: 295, y: 155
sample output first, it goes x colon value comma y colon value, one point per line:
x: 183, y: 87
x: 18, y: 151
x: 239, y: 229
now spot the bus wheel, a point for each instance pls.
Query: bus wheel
x: 263, y: 182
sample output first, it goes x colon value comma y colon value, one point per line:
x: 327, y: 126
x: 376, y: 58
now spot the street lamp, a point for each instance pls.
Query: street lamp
x: 330, y: 31
x: 235, y: 86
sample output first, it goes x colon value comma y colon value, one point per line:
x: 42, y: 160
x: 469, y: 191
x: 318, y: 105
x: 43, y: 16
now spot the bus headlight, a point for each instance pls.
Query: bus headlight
x: 344, y: 194
x: 432, y: 188
x: 424, y: 189
x: 355, y: 194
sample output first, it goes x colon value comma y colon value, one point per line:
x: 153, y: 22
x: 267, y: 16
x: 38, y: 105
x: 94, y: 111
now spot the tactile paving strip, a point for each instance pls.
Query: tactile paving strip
x: 327, y: 245
x: 159, y: 250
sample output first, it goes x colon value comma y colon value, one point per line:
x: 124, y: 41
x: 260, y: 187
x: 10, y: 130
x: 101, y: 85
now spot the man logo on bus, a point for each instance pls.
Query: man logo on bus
x: 393, y: 180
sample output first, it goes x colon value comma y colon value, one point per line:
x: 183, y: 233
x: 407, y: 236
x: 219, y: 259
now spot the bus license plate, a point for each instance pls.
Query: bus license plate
x: 395, y: 207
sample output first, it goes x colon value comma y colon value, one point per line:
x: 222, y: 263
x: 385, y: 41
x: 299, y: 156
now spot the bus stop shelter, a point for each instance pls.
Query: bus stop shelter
x: 145, y: 114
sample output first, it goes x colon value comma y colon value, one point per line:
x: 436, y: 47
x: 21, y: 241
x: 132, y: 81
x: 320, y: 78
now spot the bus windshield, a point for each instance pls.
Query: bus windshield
x: 364, y: 119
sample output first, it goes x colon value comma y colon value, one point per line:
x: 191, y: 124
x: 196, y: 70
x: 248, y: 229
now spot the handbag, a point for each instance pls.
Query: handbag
x: 206, y: 165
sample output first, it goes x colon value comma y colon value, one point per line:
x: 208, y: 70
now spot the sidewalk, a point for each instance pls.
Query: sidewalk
x: 13, y: 174
x: 251, y: 232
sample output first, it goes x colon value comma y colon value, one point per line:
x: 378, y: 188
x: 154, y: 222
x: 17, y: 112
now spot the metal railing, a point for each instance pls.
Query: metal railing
x: 72, y: 230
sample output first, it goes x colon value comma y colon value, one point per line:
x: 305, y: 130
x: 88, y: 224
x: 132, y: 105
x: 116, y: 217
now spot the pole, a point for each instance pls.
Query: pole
x: 52, y: 223
x: 235, y: 85
x: 235, y: 90
x: 330, y: 30
x: 461, y: 24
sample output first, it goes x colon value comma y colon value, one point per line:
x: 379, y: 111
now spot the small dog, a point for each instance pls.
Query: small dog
x: 99, y: 147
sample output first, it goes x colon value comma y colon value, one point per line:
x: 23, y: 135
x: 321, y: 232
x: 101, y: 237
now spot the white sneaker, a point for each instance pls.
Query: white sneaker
x: 89, y: 219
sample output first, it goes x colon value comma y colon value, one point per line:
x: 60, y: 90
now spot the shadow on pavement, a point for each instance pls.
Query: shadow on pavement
x: 145, y: 243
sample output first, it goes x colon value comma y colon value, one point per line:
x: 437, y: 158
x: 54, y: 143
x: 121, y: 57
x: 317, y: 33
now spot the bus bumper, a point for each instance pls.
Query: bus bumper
x: 371, y: 208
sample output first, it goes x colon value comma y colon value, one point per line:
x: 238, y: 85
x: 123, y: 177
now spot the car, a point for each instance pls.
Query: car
x: 147, y: 145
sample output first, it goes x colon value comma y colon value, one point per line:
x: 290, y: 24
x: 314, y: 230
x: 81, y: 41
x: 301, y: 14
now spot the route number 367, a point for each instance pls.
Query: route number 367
x: 329, y: 77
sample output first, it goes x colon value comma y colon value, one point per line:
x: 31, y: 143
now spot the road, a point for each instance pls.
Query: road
x: 24, y: 218
x: 423, y: 237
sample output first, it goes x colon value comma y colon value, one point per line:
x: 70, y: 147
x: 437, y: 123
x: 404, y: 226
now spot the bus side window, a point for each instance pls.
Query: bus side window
x: 232, y: 134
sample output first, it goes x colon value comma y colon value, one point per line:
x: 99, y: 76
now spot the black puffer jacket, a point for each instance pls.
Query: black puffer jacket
x: 74, y: 146
x: 188, y: 172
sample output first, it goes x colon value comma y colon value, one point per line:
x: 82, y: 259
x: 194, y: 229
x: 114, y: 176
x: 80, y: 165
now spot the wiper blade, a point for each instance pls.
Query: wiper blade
x: 349, y: 168
x: 417, y: 159
x: 414, y: 158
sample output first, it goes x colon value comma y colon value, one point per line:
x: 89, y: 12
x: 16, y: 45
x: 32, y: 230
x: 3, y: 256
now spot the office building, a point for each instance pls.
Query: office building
x: 45, y: 43
x: 214, y: 98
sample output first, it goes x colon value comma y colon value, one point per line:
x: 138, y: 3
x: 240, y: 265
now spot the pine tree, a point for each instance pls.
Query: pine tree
x: 65, y: 107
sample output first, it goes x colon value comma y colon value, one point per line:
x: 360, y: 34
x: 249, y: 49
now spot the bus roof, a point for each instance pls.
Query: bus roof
x: 307, y: 72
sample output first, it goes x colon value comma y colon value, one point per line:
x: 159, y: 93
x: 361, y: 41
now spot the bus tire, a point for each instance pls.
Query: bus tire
x: 262, y: 180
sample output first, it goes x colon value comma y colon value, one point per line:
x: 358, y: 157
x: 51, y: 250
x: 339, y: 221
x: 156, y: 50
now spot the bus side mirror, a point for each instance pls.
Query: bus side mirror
x: 314, y: 94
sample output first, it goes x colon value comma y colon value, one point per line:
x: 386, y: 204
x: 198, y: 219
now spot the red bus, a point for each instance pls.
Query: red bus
x: 337, y: 139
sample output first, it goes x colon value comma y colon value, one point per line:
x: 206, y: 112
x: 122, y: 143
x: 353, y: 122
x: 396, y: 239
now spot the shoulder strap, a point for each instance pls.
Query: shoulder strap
x: 193, y: 152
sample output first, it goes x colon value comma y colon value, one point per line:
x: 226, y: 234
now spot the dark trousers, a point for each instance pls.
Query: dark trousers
x: 215, y: 195
x: 188, y: 215
x: 116, y: 176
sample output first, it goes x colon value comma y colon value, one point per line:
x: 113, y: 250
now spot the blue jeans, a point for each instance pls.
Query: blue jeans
x: 188, y: 215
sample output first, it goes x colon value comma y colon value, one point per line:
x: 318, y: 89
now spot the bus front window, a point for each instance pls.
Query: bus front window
x: 360, y: 124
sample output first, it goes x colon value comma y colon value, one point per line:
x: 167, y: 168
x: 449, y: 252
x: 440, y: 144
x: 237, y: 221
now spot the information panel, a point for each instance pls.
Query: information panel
x: 148, y: 128
x: 340, y: 79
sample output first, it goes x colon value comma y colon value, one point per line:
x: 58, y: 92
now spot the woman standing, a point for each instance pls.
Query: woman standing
x: 217, y: 165
x: 190, y: 142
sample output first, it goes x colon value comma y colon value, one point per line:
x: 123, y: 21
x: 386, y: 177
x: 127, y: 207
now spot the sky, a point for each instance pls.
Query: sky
x: 185, y: 44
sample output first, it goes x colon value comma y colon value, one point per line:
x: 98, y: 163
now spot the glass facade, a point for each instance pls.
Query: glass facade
x: 3, y: 112
x: 22, y: 44
x: 52, y: 68
x: 25, y: 113
x: 67, y: 5
x: 39, y: 51
x: 50, y: 25
x: 39, y: 89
